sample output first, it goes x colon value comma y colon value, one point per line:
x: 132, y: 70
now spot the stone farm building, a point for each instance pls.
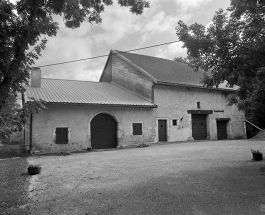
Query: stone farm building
x: 138, y: 99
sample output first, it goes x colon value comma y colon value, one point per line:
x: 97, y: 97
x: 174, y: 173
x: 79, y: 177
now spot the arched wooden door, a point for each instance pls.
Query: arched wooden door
x: 103, y: 132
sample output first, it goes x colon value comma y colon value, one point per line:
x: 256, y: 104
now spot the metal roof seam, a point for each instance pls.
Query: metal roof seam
x: 44, y: 90
x: 41, y: 92
x: 66, y: 91
x: 60, y: 91
x: 53, y: 96
x: 74, y: 94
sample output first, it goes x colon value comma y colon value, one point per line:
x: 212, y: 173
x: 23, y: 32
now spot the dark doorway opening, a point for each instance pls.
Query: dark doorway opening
x: 103, y: 132
x: 199, y: 128
x: 221, y: 130
x: 162, y: 130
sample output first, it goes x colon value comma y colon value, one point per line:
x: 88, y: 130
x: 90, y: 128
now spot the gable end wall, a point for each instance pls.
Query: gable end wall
x: 125, y: 75
x: 107, y: 73
x: 174, y: 102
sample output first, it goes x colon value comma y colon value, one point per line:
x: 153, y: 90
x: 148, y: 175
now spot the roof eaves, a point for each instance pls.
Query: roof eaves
x: 135, y: 66
x: 194, y: 86
x: 100, y: 104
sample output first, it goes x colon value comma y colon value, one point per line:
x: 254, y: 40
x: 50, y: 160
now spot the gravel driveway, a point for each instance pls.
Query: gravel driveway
x: 211, y: 177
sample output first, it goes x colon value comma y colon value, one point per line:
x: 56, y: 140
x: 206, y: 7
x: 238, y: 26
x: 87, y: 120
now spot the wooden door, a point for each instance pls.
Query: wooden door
x: 199, y: 130
x: 162, y: 130
x: 221, y: 130
x: 103, y: 132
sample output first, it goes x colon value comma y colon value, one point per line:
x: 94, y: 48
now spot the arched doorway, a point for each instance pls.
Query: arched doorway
x: 103, y: 132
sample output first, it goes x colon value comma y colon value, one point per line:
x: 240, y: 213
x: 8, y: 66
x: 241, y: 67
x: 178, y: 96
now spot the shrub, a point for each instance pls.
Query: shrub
x: 142, y: 145
x: 255, y: 151
x: 64, y: 153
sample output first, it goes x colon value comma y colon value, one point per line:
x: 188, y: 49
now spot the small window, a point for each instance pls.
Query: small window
x: 174, y: 122
x: 61, y: 135
x: 198, y: 105
x: 137, y: 128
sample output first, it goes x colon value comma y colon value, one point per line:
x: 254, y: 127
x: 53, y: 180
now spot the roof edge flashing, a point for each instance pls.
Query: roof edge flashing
x: 100, y: 104
x: 105, y: 66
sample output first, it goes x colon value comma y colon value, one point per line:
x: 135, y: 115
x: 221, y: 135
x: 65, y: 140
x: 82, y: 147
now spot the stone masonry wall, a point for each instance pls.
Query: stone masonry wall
x: 78, y: 118
x: 127, y: 76
x: 173, y: 103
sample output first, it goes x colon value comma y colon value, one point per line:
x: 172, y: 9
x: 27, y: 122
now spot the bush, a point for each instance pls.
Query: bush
x: 64, y: 153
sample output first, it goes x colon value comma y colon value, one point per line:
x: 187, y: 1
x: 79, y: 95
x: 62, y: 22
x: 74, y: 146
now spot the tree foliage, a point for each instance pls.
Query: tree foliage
x: 13, y: 117
x: 23, y: 24
x: 232, y: 49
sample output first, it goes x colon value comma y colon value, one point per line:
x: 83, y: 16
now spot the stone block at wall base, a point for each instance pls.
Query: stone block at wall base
x: 190, y: 138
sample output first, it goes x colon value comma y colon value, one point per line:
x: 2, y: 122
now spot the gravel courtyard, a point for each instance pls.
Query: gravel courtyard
x: 210, y: 177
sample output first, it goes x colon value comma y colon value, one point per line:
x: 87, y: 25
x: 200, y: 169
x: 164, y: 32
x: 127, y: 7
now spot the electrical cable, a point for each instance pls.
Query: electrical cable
x: 100, y: 56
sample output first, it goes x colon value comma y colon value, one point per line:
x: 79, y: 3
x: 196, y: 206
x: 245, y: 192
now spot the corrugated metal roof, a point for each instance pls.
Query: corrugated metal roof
x: 84, y: 92
x: 167, y: 71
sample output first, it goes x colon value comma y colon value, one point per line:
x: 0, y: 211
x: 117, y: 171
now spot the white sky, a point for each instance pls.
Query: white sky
x: 121, y: 30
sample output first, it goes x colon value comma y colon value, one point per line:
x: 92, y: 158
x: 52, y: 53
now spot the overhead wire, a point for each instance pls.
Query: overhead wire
x: 106, y: 55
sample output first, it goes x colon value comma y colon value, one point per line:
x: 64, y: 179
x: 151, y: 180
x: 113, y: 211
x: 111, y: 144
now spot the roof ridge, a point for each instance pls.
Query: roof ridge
x: 178, y: 61
x: 182, y: 62
x: 175, y: 72
x: 144, y: 55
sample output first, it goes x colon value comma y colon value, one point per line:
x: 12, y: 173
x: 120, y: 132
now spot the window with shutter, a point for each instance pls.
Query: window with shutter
x: 137, y: 129
x: 61, y: 135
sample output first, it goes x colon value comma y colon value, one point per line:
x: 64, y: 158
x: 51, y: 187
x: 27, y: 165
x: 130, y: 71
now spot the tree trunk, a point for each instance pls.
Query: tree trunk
x: 4, y: 89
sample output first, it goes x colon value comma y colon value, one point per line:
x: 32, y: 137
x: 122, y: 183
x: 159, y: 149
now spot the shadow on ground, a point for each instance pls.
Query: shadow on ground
x: 230, y: 190
x: 13, y: 186
x: 211, y: 177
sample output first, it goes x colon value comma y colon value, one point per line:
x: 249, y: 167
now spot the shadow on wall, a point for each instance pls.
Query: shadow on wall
x: 251, y: 131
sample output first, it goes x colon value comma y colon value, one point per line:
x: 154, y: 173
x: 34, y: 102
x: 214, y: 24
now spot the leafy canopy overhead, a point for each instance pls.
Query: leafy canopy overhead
x: 232, y: 49
x: 24, y: 23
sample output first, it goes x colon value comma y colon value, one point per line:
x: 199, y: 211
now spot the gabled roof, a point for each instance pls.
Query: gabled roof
x: 164, y: 71
x: 84, y: 92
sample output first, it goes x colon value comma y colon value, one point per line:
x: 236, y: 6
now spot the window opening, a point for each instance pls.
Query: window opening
x: 137, y: 128
x: 61, y: 135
